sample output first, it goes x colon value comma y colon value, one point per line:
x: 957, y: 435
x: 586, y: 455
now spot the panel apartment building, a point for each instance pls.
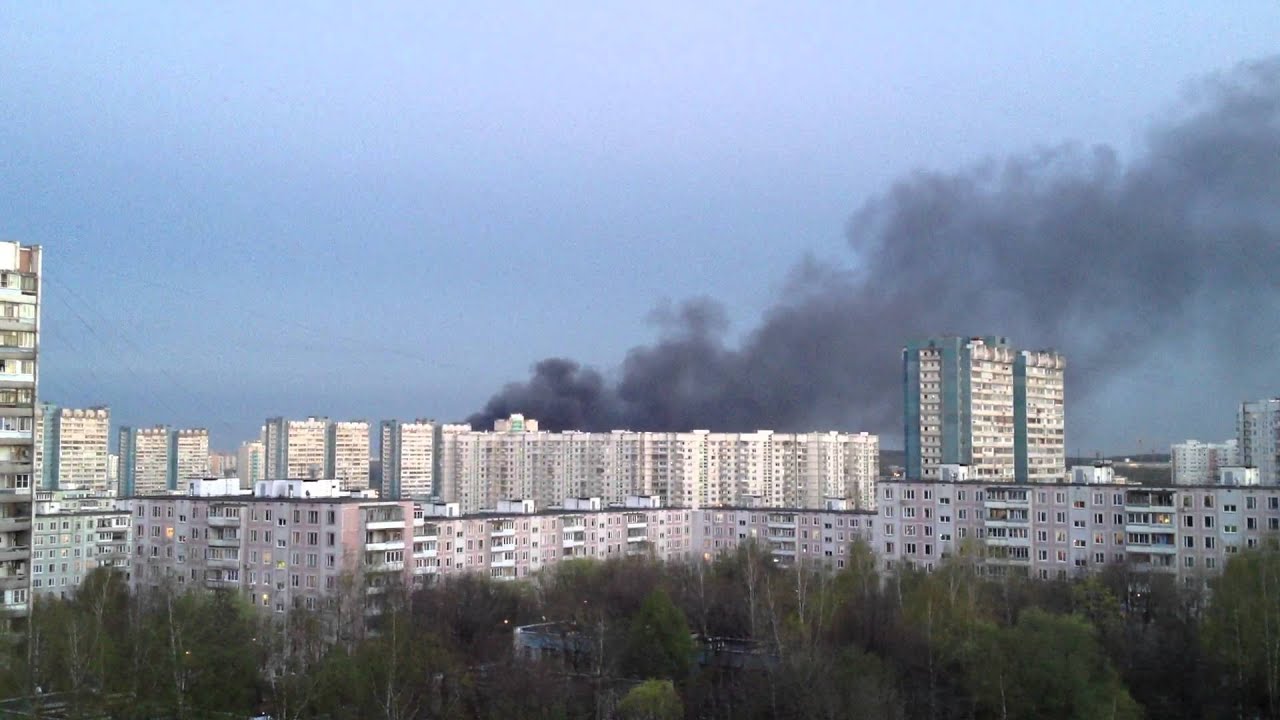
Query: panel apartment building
x: 292, y: 543
x: 409, y: 459
x: 689, y: 469
x: 20, y: 293
x: 1258, y: 432
x: 158, y: 459
x: 316, y: 448
x: 71, y: 448
x: 1198, y: 463
x: 75, y: 534
x: 981, y: 402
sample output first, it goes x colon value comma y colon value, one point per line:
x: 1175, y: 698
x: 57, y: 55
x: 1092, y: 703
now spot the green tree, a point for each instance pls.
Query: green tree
x: 651, y: 700
x: 1242, y: 630
x: 659, y: 644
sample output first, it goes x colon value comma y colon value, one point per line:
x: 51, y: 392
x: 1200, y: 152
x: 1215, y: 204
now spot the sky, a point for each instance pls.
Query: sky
x: 258, y: 209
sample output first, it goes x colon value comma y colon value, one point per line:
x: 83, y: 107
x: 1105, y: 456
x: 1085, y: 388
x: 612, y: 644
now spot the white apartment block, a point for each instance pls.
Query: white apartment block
x: 251, y: 462
x: 348, y: 454
x: 71, y: 448
x: 408, y: 459
x: 1258, y: 431
x: 73, y: 537
x: 1197, y: 463
x: 144, y: 460
x: 189, y: 455
x: 690, y: 469
x: 979, y: 402
x: 296, y: 448
x: 20, y: 292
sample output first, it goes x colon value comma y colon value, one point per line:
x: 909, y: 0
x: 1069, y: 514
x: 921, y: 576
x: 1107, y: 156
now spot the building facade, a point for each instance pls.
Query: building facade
x: 20, y: 293
x: 409, y: 458
x: 982, y: 403
x: 296, y: 448
x: 347, y: 454
x: 693, y: 469
x: 1258, y: 433
x: 188, y: 456
x: 72, y: 448
x: 251, y: 462
x: 76, y: 534
x: 1197, y: 463
x: 144, y: 460
x: 290, y: 544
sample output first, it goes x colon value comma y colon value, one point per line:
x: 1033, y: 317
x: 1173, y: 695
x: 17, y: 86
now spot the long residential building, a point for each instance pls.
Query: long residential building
x: 159, y: 459
x: 296, y: 448
x: 688, y: 469
x: 20, y: 293
x: 1197, y: 463
x: 981, y: 402
x: 291, y: 543
x: 347, y: 454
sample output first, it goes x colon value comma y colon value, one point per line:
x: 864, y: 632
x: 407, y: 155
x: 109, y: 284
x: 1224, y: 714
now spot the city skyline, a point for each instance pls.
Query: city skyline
x: 495, y: 211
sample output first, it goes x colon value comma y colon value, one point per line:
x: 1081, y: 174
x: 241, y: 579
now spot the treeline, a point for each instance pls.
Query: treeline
x: 857, y: 644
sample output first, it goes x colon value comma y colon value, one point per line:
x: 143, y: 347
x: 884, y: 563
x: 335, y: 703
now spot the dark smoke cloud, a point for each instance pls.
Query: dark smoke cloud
x: 1065, y: 247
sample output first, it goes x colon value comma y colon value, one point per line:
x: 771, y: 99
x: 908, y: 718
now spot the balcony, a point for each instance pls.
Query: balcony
x: 502, y: 531
x: 1008, y: 541
x: 505, y: 561
x: 13, y: 610
x: 223, y: 521
x: 385, y: 545
x: 15, y: 552
x: 14, y: 524
x: 13, y: 582
x: 223, y: 562
x: 224, y: 542
x: 385, y: 566
x: 638, y: 538
x: 221, y: 583
x: 384, y: 525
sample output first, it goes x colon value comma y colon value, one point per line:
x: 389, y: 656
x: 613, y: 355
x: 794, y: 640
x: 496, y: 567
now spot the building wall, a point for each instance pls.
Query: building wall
x: 693, y: 469
x: 296, y: 448
x: 1196, y: 463
x: 409, y: 458
x: 188, y: 456
x: 348, y: 454
x: 70, y: 545
x: 251, y: 462
x: 1258, y: 432
x: 20, y: 292
x: 979, y: 402
x: 144, y: 460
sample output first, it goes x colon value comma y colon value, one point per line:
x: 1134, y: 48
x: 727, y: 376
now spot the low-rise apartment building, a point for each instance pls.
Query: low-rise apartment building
x: 292, y: 543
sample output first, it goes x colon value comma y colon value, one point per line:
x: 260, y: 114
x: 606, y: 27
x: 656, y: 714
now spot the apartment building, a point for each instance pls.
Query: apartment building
x: 76, y: 534
x: 409, y: 459
x: 1197, y: 463
x: 982, y: 403
x: 251, y: 465
x: 71, y: 448
x: 223, y: 464
x: 1258, y: 433
x: 144, y: 460
x: 188, y: 455
x: 690, y: 469
x: 347, y: 454
x: 1062, y: 530
x: 817, y: 537
x: 293, y: 543
x: 20, y: 293
x: 296, y: 448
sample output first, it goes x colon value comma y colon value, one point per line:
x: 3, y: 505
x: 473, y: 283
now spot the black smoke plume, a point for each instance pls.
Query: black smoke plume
x: 1065, y: 247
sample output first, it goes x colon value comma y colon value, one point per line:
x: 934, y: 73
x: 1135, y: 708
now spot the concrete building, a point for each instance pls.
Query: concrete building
x: 1197, y: 463
x: 692, y: 469
x: 1258, y: 433
x: 74, y: 535
x: 293, y: 543
x: 409, y: 459
x: 980, y: 402
x: 188, y: 455
x: 20, y: 293
x: 72, y: 448
x: 296, y: 448
x: 223, y: 464
x: 347, y: 454
x: 1061, y: 530
x: 144, y: 460
x: 251, y: 462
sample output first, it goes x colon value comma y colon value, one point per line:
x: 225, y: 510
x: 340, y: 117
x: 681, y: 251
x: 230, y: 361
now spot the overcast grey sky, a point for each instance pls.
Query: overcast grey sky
x: 252, y: 209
